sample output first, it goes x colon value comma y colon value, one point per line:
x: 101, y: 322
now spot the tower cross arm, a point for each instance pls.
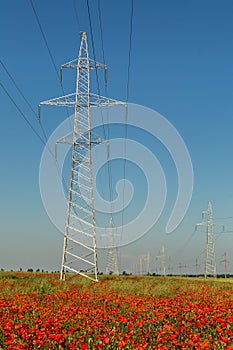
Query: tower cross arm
x: 200, y: 225
x: 70, y: 101
x: 219, y: 225
x: 83, y: 63
x: 101, y: 101
x: 67, y: 100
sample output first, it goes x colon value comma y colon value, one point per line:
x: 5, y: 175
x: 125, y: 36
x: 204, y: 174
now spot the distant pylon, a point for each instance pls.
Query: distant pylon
x: 169, y: 268
x: 196, y: 265
x: 163, y: 269
x: 144, y: 264
x: 79, y: 249
x: 210, y: 263
x: 112, y: 265
x: 162, y: 259
x: 225, y: 264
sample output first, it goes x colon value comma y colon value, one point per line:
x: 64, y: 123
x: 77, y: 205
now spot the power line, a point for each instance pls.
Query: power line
x: 76, y: 13
x: 127, y: 100
x: 35, y: 132
x: 44, y: 37
x: 23, y: 115
x: 130, y: 49
x: 186, y: 243
x: 49, y: 51
x: 101, y: 34
x: 106, y: 93
x: 58, y: 75
x: 106, y: 135
x: 93, y: 45
x: 23, y: 96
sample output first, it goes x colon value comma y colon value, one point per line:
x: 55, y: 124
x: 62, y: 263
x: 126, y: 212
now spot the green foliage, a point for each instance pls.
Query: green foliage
x: 38, y: 311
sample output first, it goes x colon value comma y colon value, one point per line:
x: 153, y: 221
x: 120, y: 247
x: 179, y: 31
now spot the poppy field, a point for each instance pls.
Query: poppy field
x: 37, y: 311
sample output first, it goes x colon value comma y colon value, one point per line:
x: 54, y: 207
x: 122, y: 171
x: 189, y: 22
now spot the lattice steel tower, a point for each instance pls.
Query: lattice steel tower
x: 112, y: 265
x: 210, y: 263
x: 162, y: 259
x: 79, y: 250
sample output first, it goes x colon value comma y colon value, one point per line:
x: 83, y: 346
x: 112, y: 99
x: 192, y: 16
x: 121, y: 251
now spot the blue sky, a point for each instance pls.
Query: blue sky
x: 181, y: 66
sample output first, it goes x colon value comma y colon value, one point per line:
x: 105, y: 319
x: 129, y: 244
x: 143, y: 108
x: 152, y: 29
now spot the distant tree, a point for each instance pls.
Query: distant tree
x: 30, y: 270
x: 38, y: 270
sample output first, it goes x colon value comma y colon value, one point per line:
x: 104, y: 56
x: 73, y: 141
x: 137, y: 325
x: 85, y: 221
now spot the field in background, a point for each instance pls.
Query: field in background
x: 37, y: 311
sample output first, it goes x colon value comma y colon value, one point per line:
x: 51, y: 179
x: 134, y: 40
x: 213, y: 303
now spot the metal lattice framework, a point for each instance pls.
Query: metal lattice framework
x: 79, y: 250
x: 162, y: 259
x: 210, y: 263
x: 144, y: 264
x: 112, y: 265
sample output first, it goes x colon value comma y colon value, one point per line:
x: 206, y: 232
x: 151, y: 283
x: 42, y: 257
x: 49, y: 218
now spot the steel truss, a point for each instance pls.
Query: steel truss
x: 79, y: 254
x: 112, y: 265
x: 210, y: 263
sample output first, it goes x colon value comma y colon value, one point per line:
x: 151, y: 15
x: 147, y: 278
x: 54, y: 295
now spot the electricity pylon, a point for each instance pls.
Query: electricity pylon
x: 112, y: 265
x: 79, y: 249
x: 162, y: 259
x: 163, y: 268
x: 196, y: 266
x: 210, y: 263
x: 170, y: 267
x: 144, y: 264
x: 225, y: 264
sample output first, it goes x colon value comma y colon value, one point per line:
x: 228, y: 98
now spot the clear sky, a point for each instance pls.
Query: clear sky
x: 181, y: 67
